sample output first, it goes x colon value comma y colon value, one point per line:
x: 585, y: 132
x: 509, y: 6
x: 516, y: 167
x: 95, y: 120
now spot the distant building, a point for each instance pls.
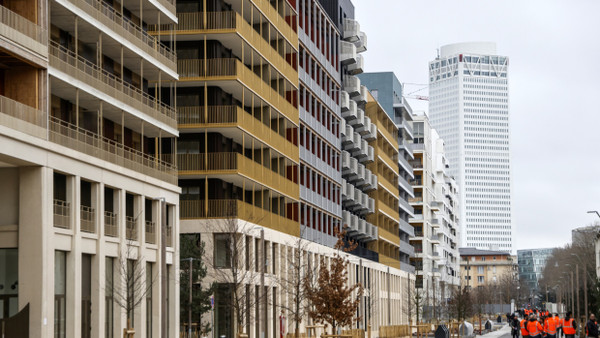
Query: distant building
x: 484, y: 267
x: 579, y: 234
x: 531, y: 265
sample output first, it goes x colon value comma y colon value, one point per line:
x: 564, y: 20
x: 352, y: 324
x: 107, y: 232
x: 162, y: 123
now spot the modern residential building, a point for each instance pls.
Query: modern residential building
x: 435, y: 213
x: 486, y: 267
x: 387, y: 90
x: 469, y: 107
x: 87, y: 173
x: 272, y: 120
x: 531, y: 266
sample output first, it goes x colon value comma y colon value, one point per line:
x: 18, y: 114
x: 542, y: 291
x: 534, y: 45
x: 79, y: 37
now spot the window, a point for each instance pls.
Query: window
x: 9, y: 276
x: 480, y: 269
x: 483, y: 258
x: 109, y: 297
x: 222, y: 252
x: 60, y: 293
x: 480, y: 279
x: 86, y: 296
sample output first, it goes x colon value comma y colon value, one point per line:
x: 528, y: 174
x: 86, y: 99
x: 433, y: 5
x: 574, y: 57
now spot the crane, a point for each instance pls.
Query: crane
x: 416, y: 97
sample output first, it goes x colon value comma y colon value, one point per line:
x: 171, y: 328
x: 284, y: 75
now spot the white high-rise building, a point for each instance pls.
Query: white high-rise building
x: 469, y: 107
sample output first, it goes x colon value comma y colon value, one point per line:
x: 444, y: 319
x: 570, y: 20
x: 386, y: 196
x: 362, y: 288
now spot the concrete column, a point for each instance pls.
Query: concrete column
x: 36, y: 252
x: 73, y: 304
x: 99, y: 266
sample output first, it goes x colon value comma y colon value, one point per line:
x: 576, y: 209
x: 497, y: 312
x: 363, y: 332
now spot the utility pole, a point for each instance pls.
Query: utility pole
x: 577, y: 289
x: 585, y: 299
x: 572, y: 293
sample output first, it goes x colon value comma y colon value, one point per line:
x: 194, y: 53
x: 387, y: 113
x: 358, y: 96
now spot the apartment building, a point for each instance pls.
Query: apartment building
x: 435, y: 219
x: 486, y: 267
x: 90, y: 195
x: 387, y: 90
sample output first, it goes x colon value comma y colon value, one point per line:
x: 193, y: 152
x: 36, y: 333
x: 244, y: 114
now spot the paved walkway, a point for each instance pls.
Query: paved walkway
x: 504, y: 332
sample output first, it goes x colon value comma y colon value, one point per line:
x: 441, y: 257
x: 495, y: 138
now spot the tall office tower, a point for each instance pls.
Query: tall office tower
x: 320, y: 117
x: 89, y: 188
x: 387, y: 90
x: 468, y: 106
x: 435, y: 221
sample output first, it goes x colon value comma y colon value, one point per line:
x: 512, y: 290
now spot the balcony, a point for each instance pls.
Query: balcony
x: 150, y: 228
x: 198, y: 70
x: 231, y: 23
x: 351, y: 85
x: 83, y: 70
x: 405, y: 185
x: 111, y: 228
x: 87, y: 219
x: 357, y: 67
x: 348, y: 53
x: 416, y: 146
x: 418, y: 218
x: 79, y: 139
x: 197, y: 117
x: 232, y: 209
x: 416, y: 164
x: 278, y: 19
x: 61, y: 211
x: 108, y: 16
x: 236, y: 164
x: 405, y: 206
x: 131, y: 228
x: 22, y: 117
x: 23, y: 31
x: 351, y: 30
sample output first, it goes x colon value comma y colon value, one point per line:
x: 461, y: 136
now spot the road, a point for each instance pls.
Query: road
x: 504, y: 332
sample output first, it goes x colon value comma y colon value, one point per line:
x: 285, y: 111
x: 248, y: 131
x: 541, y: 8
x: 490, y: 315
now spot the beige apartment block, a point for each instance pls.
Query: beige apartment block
x: 87, y: 178
x: 486, y: 267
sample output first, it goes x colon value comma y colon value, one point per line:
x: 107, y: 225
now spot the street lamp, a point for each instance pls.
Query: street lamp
x: 585, y: 302
x: 594, y: 212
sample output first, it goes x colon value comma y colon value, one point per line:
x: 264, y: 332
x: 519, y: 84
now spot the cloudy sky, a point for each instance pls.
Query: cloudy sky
x: 554, y: 50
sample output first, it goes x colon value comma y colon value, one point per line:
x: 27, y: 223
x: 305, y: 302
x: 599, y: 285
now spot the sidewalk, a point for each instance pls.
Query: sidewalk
x: 504, y: 331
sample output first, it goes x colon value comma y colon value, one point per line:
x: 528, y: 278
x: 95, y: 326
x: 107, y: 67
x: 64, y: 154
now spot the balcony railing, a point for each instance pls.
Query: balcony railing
x: 130, y: 228
x: 232, y: 163
x: 88, y: 72
x: 234, y: 116
x: 24, y: 113
x: 231, y: 209
x: 230, y: 22
x: 62, y: 217
x: 87, y: 219
x: 150, y: 232
x: 133, y: 33
x: 111, y: 228
x: 234, y: 69
x: 23, y: 25
x: 71, y: 136
x: 169, y: 236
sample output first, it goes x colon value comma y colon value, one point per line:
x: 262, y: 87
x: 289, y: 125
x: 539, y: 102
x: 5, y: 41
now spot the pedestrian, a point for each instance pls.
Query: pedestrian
x: 550, y: 326
x: 569, y: 326
x: 558, y: 322
x: 514, y: 324
x: 541, y: 320
x: 523, y: 325
x: 591, y: 327
x: 534, y: 327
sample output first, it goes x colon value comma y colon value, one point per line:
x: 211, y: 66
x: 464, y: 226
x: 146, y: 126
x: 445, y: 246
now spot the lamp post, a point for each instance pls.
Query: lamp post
x: 585, y: 299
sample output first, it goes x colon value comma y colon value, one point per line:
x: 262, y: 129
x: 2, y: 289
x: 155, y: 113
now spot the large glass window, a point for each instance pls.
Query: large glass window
x: 9, y: 274
x: 86, y: 296
x: 109, y: 297
x: 222, y: 253
x: 60, y: 293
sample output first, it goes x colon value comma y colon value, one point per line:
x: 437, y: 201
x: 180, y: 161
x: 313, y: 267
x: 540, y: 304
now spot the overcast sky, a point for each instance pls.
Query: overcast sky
x: 554, y: 51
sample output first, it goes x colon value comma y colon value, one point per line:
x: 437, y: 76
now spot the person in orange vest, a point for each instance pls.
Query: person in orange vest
x: 534, y: 327
x: 523, y: 324
x: 569, y: 326
x: 558, y: 322
x: 550, y: 326
x: 541, y: 320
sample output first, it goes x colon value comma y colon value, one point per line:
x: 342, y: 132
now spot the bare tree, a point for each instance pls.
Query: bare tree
x: 133, y: 283
x: 461, y: 303
x: 294, y: 281
x: 233, y: 267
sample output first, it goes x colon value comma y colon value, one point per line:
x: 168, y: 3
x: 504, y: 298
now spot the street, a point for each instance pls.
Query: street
x: 504, y: 332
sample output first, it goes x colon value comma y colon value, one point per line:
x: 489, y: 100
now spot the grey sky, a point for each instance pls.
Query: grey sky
x: 554, y: 50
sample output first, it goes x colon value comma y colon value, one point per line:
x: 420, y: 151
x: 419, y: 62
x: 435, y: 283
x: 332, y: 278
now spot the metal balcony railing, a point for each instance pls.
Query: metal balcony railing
x: 130, y: 228
x: 150, y: 232
x: 21, y: 112
x: 87, y: 219
x: 62, y: 217
x: 88, y: 72
x: 111, y: 228
x: 23, y: 25
x: 109, y: 16
x: 77, y: 138
x: 169, y: 236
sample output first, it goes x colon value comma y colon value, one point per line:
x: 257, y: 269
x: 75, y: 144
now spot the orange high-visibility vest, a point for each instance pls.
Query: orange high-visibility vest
x: 568, y: 327
x: 550, y: 326
x: 557, y: 321
x: 524, y: 331
x: 534, y: 328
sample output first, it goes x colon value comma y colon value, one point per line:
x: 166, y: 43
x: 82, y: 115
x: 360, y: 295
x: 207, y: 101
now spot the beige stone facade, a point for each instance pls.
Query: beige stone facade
x: 486, y: 267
